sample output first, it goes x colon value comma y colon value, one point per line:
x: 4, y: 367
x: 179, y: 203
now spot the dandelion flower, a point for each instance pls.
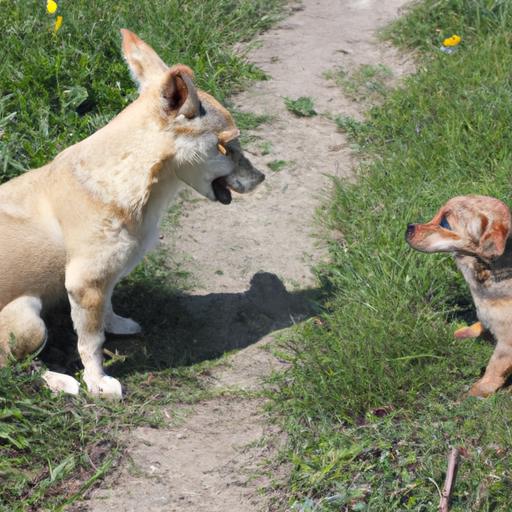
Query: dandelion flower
x: 58, y: 23
x: 51, y: 6
x: 452, y: 41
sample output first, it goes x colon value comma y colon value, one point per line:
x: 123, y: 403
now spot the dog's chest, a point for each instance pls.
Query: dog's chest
x: 146, y: 235
x: 491, y: 289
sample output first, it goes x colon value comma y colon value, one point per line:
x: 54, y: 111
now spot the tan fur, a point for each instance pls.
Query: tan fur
x: 473, y: 331
x: 477, y: 233
x: 77, y: 225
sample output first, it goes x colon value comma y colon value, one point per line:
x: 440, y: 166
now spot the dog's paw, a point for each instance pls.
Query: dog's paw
x: 482, y: 389
x: 60, y: 382
x: 118, y: 325
x: 105, y: 386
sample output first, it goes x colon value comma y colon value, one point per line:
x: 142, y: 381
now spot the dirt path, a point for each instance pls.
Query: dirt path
x: 207, y: 463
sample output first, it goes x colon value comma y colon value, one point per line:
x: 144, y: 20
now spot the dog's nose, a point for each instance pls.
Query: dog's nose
x: 409, y: 232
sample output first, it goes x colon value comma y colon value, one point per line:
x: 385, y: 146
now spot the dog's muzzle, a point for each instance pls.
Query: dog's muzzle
x: 409, y: 232
x: 241, y: 181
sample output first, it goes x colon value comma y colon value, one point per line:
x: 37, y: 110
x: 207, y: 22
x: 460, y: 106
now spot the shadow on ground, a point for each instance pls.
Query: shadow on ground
x: 180, y: 329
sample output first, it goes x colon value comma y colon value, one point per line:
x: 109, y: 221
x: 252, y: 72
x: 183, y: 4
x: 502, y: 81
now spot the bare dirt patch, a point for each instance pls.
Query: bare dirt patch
x: 207, y: 462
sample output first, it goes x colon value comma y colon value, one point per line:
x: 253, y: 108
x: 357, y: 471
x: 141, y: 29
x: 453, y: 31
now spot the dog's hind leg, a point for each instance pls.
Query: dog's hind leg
x: 116, y: 324
x: 88, y: 298
x: 22, y: 330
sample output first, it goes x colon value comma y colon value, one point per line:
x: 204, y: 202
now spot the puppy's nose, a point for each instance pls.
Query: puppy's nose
x: 409, y: 232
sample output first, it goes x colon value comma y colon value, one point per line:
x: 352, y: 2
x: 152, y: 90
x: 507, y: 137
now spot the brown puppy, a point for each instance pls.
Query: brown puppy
x: 476, y: 230
x: 76, y: 226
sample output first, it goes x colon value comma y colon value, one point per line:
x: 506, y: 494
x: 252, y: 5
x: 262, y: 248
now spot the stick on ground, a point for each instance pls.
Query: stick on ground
x: 449, y: 483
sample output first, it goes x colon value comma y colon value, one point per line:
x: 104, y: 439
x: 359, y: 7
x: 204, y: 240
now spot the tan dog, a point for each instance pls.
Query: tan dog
x: 476, y: 230
x: 79, y: 224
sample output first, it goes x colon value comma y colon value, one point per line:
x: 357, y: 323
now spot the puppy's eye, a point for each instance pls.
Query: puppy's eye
x: 444, y: 224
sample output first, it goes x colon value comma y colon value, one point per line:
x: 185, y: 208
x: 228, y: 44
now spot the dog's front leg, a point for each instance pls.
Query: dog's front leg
x: 497, y: 371
x: 88, y: 296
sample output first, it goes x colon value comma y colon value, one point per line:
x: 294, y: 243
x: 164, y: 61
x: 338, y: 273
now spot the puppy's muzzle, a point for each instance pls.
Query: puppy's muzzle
x: 409, y: 232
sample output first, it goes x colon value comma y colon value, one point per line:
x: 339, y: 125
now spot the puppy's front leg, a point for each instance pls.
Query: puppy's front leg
x: 87, y: 296
x: 497, y: 371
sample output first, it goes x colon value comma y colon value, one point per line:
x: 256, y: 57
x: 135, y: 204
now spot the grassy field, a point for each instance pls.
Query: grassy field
x: 56, y: 88
x: 374, y: 400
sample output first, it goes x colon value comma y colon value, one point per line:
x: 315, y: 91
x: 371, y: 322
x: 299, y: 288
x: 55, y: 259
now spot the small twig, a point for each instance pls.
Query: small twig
x: 92, y: 463
x: 449, y: 483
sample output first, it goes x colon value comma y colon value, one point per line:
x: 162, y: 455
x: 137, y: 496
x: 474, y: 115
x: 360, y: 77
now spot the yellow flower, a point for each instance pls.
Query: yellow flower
x: 51, y: 6
x: 58, y: 23
x: 452, y: 41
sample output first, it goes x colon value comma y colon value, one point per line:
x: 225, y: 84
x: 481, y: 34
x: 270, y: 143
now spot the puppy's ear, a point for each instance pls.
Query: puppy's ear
x: 179, y: 93
x: 493, y: 235
x: 145, y: 65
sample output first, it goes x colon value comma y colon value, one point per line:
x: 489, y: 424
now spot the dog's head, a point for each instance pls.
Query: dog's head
x: 466, y: 225
x: 200, y: 134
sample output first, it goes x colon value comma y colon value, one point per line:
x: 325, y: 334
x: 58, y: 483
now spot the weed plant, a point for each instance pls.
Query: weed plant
x: 374, y: 401
x: 301, y: 107
x: 56, y: 88
x: 277, y: 165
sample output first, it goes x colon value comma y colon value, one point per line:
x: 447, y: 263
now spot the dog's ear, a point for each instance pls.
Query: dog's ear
x: 492, y: 235
x: 494, y: 240
x: 145, y: 65
x: 179, y: 92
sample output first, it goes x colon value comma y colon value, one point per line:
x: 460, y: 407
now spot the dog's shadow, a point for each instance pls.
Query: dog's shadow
x: 181, y: 329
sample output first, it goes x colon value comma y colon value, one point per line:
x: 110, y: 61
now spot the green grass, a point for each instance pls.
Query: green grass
x: 301, y: 107
x: 55, y: 90
x: 373, y: 401
x: 349, y: 125
x: 367, y: 82
x: 277, y: 165
x: 247, y: 121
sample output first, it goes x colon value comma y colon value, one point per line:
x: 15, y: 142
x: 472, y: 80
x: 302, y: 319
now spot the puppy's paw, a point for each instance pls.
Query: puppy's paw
x: 118, y: 325
x: 482, y: 389
x: 105, y: 386
x: 473, y: 331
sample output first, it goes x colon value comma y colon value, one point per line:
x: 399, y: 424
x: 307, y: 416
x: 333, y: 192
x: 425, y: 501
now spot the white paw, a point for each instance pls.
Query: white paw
x: 60, y: 382
x: 119, y: 325
x: 105, y: 386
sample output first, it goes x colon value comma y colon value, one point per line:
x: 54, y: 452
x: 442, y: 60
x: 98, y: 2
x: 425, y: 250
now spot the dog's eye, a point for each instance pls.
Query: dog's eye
x: 444, y: 223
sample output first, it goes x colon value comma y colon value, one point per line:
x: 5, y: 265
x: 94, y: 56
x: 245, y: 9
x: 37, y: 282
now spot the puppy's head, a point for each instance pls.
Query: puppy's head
x: 466, y: 225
